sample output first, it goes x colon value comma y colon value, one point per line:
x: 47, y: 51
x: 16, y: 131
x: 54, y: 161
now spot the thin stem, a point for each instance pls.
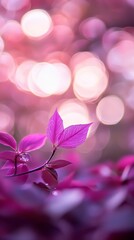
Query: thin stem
x: 54, y: 150
x: 38, y: 168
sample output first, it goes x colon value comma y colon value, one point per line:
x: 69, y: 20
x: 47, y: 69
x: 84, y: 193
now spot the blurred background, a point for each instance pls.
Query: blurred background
x: 76, y: 56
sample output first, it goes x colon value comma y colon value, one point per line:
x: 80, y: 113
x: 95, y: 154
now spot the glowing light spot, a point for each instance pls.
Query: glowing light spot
x: 21, y: 75
x: 90, y: 77
x: 49, y: 79
x: 14, y: 5
x: 6, y: 118
x: 89, y: 83
x: 74, y: 112
x: 121, y: 59
x: 110, y: 110
x: 36, y: 23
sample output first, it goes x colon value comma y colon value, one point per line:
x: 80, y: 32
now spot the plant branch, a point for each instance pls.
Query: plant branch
x: 38, y: 168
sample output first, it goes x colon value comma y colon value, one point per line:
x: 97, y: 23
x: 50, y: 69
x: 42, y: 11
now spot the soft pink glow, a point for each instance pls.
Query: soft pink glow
x: 90, y: 77
x: 92, y: 28
x: 6, y: 118
x: 12, y: 32
x: 63, y: 34
x: 74, y: 112
x: 7, y: 66
x: 21, y: 75
x: 121, y: 58
x: 110, y: 110
x: 50, y: 78
x: 36, y: 23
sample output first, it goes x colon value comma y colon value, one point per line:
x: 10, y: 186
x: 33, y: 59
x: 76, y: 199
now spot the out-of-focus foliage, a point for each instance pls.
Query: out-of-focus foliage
x: 97, y: 207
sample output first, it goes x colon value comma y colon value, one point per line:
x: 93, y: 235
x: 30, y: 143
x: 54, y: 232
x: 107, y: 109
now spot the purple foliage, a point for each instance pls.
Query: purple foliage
x: 98, y: 206
x: 7, y: 140
x: 55, y: 127
x: 31, y: 142
x: 58, y: 164
x: 20, y: 153
x: 69, y: 137
x: 73, y: 136
x: 76, y: 210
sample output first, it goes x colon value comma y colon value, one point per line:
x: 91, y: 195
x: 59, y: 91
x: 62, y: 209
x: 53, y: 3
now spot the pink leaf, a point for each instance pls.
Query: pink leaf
x: 55, y: 127
x: 7, y: 155
x: 32, y: 142
x: 58, y: 164
x: 7, y: 140
x: 50, y: 177
x: 73, y: 136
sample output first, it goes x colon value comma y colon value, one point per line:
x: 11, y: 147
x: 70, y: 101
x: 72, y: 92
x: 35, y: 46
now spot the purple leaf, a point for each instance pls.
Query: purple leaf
x: 50, y: 177
x: 7, y: 140
x: 58, y: 164
x: 7, y: 155
x: 31, y: 142
x: 73, y: 136
x: 55, y: 127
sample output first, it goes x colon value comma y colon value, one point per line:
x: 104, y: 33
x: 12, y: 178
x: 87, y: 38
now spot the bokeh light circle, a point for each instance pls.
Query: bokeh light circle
x: 120, y: 59
x: 90, y: 76
x: 74, y: 112
x: 36, y: 23
x: 21, y: 75
x: 12, y: 32
x: 49, y: 78
x: 110, y: 110
x: 92, y: 28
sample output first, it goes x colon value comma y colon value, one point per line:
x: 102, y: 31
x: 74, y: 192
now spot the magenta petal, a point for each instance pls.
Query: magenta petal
x: 7, y: 155
x: 58, y: 164
x: 31, y: 142
x: 73, y: 136
x: 7, y: 140
x: 55, y: 127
